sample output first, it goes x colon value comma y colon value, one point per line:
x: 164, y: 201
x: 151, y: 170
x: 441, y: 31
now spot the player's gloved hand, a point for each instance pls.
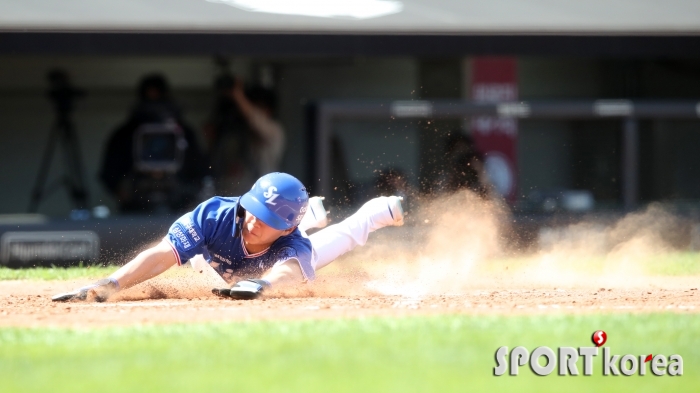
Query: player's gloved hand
x: 244, y: 290
x: 99, y: 291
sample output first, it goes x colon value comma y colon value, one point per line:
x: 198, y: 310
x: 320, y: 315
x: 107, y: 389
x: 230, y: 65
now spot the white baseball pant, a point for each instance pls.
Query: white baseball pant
x: 333, y: 241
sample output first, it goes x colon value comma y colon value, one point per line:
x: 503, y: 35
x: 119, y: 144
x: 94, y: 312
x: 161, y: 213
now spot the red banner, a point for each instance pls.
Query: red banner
x: 495, y: 79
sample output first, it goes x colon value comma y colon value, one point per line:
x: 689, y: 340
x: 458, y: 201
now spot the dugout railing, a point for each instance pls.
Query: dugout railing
x: 629, y: 112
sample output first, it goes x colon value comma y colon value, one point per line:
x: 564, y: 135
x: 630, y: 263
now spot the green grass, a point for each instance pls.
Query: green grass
x: 676, y: 264
x: 670, y: 264
x: 55, y: 273
x: 416, y: 354
x: 663, y: 264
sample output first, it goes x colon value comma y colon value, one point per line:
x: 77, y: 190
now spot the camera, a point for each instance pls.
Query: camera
x: 159, y: 147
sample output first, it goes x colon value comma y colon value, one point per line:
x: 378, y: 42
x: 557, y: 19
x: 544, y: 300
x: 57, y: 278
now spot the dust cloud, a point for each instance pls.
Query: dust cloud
x: 461, y: 242
x: 179, y: 282
x: 435, y: 252
x: 607, y: 255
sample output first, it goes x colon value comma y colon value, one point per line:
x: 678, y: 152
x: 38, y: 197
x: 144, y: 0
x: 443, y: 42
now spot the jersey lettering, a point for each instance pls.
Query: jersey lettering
x: 270, y: 195
x: 176, y: 230
x: 189, y: 227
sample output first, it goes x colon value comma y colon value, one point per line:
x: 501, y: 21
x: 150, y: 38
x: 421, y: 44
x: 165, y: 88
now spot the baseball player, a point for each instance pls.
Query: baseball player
x: 261, y: 235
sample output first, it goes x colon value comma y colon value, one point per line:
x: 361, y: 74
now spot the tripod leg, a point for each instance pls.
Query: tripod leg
x: 44, y: 167
x: 74, y: 166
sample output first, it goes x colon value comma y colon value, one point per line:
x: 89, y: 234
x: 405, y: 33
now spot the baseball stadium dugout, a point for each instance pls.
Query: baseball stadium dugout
x: 427, y: 33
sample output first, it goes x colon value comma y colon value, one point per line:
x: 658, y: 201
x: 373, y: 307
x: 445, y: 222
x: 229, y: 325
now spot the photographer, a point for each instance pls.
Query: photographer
x: 152, y: 162
x: 245, y: 140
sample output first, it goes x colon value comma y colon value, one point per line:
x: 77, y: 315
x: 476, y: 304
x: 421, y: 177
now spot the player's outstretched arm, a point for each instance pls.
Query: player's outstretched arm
x: 147, y: 264
x: 287, y: 273
x: 284, y: 274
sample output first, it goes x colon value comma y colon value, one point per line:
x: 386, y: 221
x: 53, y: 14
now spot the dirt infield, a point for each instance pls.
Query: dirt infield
x: 182, y: 297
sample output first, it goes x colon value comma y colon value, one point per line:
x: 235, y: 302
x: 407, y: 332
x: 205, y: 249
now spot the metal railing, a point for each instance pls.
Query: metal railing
x: 628, y: 111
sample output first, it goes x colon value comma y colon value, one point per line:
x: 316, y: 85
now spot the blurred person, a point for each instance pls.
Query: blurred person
x: 260, y: 235
x: 464, y: 168
x: 228, y: 139
x: 258, y: 105
x: 153, y: 160
x: 245, y: 140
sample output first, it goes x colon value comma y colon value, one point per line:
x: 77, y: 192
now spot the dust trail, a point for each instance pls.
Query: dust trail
x: 459, y: 243
x: 179, y: 282
x: 612, y: 255
x: 449, y: 237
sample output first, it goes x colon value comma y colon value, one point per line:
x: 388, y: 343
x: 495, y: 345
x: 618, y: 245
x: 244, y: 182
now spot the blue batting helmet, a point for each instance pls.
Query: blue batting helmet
x: 278, y: 199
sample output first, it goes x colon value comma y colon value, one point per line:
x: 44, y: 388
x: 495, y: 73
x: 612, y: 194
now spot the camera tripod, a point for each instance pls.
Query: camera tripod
x: 62, y: 133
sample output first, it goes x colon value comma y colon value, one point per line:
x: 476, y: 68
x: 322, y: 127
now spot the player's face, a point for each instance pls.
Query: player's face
x: 257, y: 235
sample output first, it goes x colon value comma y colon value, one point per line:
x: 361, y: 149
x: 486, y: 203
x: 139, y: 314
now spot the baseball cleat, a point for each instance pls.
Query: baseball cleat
x: 316, y: 215
x: 383, y: 212
x: 396, y: 210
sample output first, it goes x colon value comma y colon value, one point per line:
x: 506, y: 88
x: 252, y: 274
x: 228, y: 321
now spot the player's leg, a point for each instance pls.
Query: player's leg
x: 315, y: 216
x: 334, y: 241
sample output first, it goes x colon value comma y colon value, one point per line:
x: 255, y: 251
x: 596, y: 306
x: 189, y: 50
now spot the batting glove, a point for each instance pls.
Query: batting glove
x: 244, y: 290
x: 100, y: 290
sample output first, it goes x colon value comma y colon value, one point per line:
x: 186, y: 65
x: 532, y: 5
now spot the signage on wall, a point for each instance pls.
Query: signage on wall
x: 495, y: 79
x: 28, y: 248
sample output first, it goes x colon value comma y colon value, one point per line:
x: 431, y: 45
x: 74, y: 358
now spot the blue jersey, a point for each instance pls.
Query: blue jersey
x: 211, y: 230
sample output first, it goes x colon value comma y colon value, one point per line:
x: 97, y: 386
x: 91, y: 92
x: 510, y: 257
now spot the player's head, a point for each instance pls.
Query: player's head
x: 154, y: 87
x: 277, y: 199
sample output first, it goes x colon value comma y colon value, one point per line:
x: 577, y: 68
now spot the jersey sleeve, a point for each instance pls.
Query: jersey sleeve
x: 301, y: 252
x: 190, y: 234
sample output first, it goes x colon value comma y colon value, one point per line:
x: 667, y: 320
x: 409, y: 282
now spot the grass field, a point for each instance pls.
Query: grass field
x: 668, y: 264
x: 416, y: 354
x: 55, y: 273
x: 662, y: 264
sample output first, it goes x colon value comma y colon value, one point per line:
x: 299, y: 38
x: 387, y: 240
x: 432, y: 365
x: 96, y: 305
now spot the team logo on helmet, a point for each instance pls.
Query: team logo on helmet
x: 271, y: 195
